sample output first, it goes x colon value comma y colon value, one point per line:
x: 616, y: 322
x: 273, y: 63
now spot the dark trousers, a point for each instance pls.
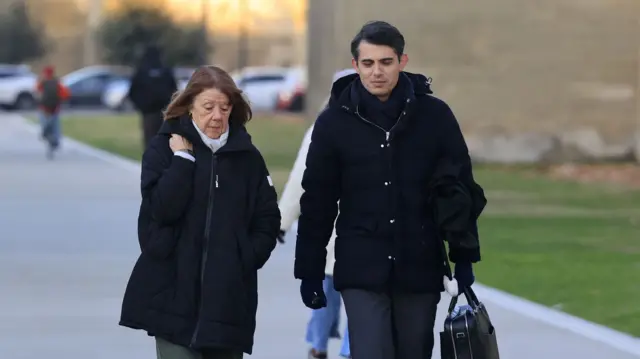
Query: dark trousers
x: 390, y: 325
x: 151, y: 123
x: 168, y: 350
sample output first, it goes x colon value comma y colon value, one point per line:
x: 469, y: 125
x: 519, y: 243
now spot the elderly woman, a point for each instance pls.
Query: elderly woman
x: 208, y: 222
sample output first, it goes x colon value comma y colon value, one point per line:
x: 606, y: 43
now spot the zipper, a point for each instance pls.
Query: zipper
x: 386, y: 133
x: 213, y: 183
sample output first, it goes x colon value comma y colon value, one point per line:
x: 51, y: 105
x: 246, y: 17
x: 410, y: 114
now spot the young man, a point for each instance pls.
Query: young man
x: 51, y: 94
x: 374, y: 150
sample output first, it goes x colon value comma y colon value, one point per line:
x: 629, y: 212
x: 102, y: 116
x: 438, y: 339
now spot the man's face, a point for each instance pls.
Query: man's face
x: 379, y: 68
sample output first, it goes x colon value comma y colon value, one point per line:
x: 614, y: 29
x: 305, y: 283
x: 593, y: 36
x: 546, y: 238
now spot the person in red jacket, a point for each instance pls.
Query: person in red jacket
x: 51, y: 93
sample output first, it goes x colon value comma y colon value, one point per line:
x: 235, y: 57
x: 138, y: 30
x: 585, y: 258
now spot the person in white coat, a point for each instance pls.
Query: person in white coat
x: 324, y: 322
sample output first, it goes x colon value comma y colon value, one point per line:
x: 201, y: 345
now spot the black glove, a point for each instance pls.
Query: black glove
x: 464, y: 275
x: 280, y: 236
x: 312, y: 294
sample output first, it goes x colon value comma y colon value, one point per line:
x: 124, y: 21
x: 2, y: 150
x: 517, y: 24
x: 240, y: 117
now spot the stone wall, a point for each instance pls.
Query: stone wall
x: 528, y: 80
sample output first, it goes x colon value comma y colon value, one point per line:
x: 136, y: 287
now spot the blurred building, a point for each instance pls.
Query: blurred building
x: 503, y: 65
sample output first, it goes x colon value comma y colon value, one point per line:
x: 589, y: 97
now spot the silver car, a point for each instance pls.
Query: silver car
x: 115, y: 95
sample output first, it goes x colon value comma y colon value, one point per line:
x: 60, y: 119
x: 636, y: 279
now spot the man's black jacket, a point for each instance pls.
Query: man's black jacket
x: 386, y: 235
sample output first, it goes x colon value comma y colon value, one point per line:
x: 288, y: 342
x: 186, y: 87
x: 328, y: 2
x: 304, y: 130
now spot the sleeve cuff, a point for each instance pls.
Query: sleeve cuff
x: 185, y: 155
x: 464, y: 255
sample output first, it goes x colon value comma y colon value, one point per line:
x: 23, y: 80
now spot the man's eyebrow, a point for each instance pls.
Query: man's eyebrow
x: 382, y: 59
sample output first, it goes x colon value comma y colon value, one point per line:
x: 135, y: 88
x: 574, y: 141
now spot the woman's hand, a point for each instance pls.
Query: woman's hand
x: 179, y: 143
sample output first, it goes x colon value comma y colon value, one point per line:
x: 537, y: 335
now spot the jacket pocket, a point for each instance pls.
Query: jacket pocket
x: 246, y: 252
x: 152, y: 284
x: 163, y: 286
x: 161, y: 240
x: 365, y: 226
x: 430, y: 253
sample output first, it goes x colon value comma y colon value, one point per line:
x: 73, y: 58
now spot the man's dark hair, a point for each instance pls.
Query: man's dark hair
x: 378, y: 33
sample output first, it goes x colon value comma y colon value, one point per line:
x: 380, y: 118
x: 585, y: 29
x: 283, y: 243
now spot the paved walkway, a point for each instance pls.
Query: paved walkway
x: 67, y: 245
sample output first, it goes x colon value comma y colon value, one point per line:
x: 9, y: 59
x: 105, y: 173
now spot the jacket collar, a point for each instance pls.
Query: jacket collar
x: 238, y: 140
x: 342, y: 95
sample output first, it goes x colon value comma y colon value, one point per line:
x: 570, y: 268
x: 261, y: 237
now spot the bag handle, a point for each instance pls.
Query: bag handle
x: 469, y: 294
x: 471, y: 297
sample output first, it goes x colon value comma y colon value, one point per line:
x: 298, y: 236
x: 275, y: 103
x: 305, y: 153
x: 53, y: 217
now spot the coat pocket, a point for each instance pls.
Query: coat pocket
x: 160, y: 241
x: 165, y: 292
x: 246, y: 252
x: 152, y: 283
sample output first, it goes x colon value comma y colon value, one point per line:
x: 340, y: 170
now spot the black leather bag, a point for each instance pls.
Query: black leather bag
x: 468, y: 332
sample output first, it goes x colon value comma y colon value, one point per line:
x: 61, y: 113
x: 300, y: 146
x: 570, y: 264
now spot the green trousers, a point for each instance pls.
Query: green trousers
x: 167, y: 350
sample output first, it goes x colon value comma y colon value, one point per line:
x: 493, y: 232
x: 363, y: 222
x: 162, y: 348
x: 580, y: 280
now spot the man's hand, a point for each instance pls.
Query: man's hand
x: 179, y: 143
x: 312, y: 294
x: 464, y: 276
x: 280, y: 237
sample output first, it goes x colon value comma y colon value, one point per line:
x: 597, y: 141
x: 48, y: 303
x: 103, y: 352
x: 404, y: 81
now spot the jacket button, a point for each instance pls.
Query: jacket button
x: 382, y: 145
x: 391, y: 221
x: 391, y: 257
x: 386, y: 183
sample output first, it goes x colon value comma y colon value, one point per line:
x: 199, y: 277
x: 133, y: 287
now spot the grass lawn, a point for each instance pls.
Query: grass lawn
x: 572, y: 246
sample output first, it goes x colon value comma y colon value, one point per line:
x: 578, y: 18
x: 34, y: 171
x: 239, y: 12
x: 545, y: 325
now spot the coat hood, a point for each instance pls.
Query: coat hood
x: 341, y: 94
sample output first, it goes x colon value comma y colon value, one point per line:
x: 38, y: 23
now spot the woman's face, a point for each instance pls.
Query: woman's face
x: 210, y: 112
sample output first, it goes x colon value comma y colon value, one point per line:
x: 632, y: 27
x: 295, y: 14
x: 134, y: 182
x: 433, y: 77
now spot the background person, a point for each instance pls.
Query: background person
x: 152, y: 86
x: 324, y: 322
x: 51, y: 94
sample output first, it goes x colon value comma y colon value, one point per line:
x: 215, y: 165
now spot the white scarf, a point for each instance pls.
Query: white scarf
x: 212, y: 143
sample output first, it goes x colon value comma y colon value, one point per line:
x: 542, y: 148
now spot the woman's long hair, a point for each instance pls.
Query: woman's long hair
x: 204, y: 78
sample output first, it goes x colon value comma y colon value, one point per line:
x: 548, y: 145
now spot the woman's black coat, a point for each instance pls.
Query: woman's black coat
x: 205, y: 228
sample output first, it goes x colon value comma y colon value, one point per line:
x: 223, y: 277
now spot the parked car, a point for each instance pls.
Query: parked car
x: 115, y: 95
x: 88, y: 84
x: 261, y: 85
x: 11, y: 71
x: 17, y: 83
x: 291, y: 97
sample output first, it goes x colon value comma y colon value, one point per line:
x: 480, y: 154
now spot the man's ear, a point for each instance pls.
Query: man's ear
x: 354, y: 63
x: 403, y: 61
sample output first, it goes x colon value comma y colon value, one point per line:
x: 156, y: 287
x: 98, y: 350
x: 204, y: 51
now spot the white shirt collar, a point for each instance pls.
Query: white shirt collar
x: 213, y: 144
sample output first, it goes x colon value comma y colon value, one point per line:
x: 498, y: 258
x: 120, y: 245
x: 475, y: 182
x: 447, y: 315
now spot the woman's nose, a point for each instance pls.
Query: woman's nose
x: 216, y: 114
